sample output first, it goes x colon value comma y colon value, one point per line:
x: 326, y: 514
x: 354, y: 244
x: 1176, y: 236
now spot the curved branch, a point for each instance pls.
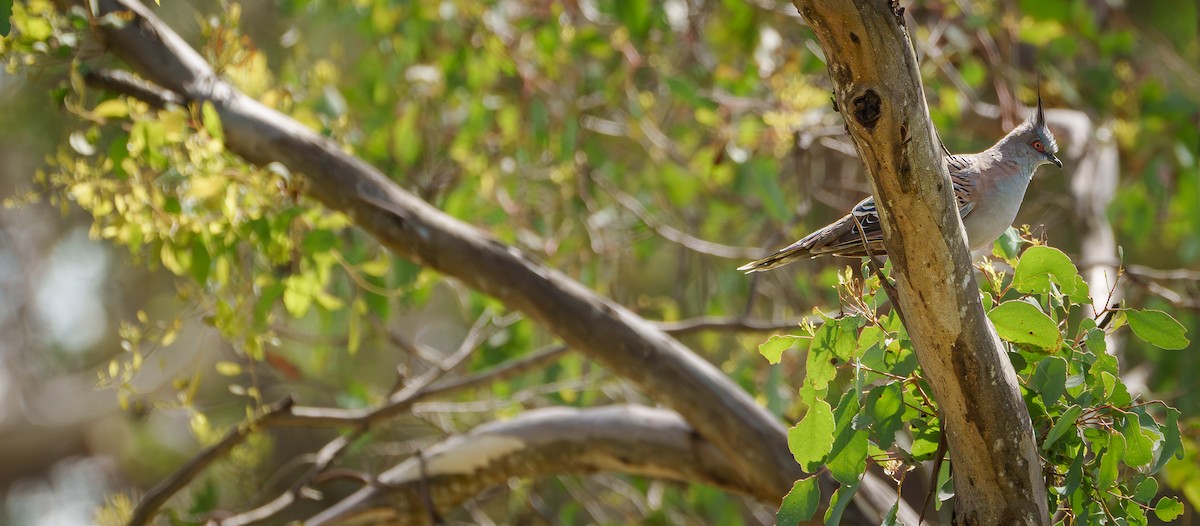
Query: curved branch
x: 628, y: 345
x: 997, y: 472
x: 753, y: 441
x: 628, y: 439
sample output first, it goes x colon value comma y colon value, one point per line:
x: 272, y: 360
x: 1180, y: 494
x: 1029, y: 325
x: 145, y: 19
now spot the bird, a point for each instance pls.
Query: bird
x: 988, y: 187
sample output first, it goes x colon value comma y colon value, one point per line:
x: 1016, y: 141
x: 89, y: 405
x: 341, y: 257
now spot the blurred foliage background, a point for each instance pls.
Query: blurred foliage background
x: 644, y: 148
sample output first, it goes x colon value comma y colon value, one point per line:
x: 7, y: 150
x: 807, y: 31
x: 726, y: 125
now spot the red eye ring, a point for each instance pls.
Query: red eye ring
x: 1037, y: 145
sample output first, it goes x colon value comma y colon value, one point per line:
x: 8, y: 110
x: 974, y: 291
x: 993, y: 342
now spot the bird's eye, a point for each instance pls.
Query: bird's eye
x: 1037, y: 145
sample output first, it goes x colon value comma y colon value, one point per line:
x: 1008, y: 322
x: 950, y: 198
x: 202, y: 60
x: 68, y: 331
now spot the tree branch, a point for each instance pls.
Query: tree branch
x: 628, y: 345
x: 606, y: 332
x: 997, y: 472
x: 730, y: 324
x: 163, y: 491
x: 629, y: 439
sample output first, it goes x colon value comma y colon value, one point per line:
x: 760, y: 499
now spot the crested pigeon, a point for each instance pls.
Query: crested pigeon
x: 988, y: 186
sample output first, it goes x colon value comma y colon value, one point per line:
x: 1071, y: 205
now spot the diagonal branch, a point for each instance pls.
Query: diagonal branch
x: 286, y: 414
x: 606, y: 332
x: 997, y: 472
x: 628, y: 439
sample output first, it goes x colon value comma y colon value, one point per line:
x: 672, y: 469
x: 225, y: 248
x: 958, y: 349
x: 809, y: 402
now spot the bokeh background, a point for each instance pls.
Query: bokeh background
x: 647, y: 148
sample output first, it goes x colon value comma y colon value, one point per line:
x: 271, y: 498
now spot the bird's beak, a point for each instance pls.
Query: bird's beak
x: 1054, y: 160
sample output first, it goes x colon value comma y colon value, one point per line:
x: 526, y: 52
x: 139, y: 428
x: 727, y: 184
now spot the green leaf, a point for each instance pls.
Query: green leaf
x: 1051, y: 379
x: 800, y: 503
x: 1007, y: 245
x: 1024, y: 324
x: 1075, y: 473
x: 1146, y: 490
x: 885, y: 405
x: 925, y: 440
x: 1041, y: 265
x: 1157, y: 328
x: 832, y: 345
x: 298, y: 294
x: 212, y: 121
x: 317, y: 241
x: 837, y: 504
x: 812, y: 438
x: 1172, y: 446
x: 773, y: 348
x: 848, y: 457
x: 1168, y: 509
x: 201, y: 260
x: 890, y: 518
x: 1104, y: 381
x: 5, y: 21
x: 1139, y: 448
x: 1107, y: 473
x: 1065, y: 422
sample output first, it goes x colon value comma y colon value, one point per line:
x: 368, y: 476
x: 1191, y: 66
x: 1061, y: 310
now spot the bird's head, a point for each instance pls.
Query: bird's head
x: 1034, y: 140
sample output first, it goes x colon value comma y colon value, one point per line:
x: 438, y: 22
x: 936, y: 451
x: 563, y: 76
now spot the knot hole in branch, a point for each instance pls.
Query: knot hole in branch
x: 867, y: 109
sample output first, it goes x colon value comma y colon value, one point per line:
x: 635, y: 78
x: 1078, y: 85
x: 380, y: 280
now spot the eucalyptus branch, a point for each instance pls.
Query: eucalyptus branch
x: 731, y: 324
x: 286, y: 414
x: 124, y: 83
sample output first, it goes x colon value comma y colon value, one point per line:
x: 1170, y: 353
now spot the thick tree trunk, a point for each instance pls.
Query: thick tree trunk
x: 997, y: 473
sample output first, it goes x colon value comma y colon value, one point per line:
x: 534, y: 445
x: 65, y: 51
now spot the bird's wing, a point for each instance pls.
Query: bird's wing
x: 845, y: 236
x: 860, y: 233
x: 963, y: 169
x: 840, y: 238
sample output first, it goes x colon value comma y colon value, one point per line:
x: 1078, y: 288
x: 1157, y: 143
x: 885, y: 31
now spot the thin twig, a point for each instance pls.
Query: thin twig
x: 323, y: 459
x: 163, y: 491
x: 673, y: 234
x: 730, y: 324
x: 286, y: 413
x: 1179, y: 274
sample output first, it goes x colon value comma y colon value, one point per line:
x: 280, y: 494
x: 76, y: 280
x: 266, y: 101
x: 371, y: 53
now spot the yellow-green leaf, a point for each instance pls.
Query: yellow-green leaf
x: 801, y: 502
x: 773, y: 348
x: 1024, y: 324
x: 227, y: 368
x: 1157, y: 328
x: 212, y: 121
x: 1041, y: 265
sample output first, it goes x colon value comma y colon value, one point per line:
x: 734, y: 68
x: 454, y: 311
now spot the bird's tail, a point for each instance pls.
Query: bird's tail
x: 841, y: 238
x: 797, y: 251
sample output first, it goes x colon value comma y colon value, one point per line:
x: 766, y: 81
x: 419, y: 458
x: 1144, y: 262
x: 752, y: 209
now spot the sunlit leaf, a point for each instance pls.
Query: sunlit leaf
x: 773, y: 348
x: 838, y: 503
x: 1157, y: 328
x: 211, y: 121
x: 848, y: 455
x: 1168, y: 509
x: 1108, y: 470
x: 885, y: 405
x: 227, y: 368
x: 1023, y: 324
x: 801, y: 502
x: 812, y: 438
x: 1042, y: 265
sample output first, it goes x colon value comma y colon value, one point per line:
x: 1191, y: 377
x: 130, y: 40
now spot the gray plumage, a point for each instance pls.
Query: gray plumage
x: 989, y: 187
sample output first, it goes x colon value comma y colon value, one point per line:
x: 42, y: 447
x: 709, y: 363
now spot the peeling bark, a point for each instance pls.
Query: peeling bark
x: 997, y: 472
x: 628, y: 439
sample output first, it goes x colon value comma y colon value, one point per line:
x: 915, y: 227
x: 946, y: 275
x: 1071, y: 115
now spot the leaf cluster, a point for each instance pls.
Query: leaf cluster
x: 1100, y: 446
